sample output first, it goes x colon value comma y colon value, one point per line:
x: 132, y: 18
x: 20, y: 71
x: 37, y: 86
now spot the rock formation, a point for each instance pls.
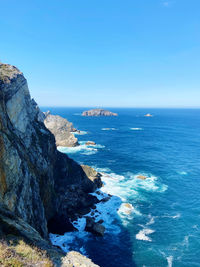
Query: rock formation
x: 98, y: 112
x: 90, y: 143
x: 37, y: 182
x: 62, y: 130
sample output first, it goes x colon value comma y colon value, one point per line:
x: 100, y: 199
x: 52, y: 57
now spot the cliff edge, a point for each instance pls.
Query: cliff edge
x: 37, y: 182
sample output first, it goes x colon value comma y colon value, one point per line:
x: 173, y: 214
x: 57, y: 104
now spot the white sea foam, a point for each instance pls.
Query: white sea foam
x: 136, y: 129
x: 182, y: 172
x: 114, y: 211
x: 80, y: 224
x: 70, y: 240
x: 178, y: 215
x: 82, y: 148
x: 143, y: 234
x: 80, y: 133
x: 108, y: 129
x: 169, y: 261
x: 151, y: 221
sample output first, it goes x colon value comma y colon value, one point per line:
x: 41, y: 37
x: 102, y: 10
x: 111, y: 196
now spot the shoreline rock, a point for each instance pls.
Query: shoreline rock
x: 62, y: 130
x: 39, y: 184
x: 98, y: 112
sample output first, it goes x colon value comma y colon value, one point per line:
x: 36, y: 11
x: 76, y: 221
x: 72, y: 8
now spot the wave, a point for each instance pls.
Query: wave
x: 70, y: 241
x: 182, y: 172
x: 108, y: 129
x: 136, y: 129
x: 114, y: 212
x: 82, y: 148
x: 169, y: 261
x: 143, y: 234
x: 80, y: 133
x: 178, y: 215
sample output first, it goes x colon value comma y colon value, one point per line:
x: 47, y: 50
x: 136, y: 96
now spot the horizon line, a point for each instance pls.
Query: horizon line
x: 95, y: 107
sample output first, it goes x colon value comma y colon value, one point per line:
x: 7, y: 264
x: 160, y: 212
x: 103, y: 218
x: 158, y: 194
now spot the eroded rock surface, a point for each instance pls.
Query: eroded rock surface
x: 37, y: 182
x: 62, y: 130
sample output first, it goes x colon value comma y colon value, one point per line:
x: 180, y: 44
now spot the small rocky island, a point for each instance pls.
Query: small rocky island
x: 97, y: 112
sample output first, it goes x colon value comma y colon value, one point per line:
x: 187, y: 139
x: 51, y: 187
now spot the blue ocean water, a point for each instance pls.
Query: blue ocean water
x: 163, y: 227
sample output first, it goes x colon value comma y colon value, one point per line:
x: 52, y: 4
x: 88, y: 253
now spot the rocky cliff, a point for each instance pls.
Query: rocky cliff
x: 62, y: 130
x: 37, y: 182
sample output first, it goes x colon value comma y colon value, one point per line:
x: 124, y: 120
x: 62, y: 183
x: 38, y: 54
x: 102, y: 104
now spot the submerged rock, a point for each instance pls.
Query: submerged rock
x: 62, y: 130
x: 94, y: 227
x: 98, y: 112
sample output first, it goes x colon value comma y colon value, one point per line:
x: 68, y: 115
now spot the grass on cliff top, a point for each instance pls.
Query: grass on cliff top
x: 7, y: 71
x: 16, y: 253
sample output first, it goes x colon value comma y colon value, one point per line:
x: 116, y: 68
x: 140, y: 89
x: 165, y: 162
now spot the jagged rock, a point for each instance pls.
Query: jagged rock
x: 98, y: 112
x: 61, y: 129
x: 75, y: 259
x: 90, y: 143
x: 93, y: 175
x: 94, y: 227
x: 37, y: 182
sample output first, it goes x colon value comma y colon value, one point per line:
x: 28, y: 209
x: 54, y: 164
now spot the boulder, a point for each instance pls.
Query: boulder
x: 94, y: 227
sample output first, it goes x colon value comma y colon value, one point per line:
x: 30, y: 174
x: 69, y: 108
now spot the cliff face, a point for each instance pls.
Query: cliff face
x: 61, y: 129
x: 37, y: 182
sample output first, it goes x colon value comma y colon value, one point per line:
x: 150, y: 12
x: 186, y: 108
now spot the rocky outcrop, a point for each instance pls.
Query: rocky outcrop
x: 37, y: 182
x: 90, y: 143
x: 98, y: 112
x: 94, y: 227
x: 62, y: 130
x: 93, y: 175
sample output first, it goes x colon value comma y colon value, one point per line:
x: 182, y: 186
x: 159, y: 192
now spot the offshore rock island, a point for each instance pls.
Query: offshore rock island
x: 40, y: 187
x: 98, y: 112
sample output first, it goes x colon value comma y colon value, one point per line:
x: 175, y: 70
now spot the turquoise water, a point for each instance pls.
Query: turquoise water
x: 163, y: 228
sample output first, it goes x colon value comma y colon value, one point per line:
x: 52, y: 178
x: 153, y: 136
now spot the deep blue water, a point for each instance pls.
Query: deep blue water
x: 164, y: 228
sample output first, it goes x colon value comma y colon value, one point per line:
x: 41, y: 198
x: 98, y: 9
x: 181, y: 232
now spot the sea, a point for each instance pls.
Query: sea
x: 160, y: 225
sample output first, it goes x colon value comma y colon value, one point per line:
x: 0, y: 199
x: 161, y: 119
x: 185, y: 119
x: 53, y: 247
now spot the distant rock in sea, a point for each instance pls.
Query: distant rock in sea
x: 98, y: 112
x: 62, y: 130
x: 148, y: 115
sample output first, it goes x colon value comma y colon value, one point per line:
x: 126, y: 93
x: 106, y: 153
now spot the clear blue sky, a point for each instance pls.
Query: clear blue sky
x: 131, y: 53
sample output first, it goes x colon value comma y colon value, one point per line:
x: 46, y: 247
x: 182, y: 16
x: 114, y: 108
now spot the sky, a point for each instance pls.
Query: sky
x: 105, y: 53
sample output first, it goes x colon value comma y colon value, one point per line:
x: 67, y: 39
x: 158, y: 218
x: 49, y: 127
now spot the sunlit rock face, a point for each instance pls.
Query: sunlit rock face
x: 61, y: 129
x: 36, y: 181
